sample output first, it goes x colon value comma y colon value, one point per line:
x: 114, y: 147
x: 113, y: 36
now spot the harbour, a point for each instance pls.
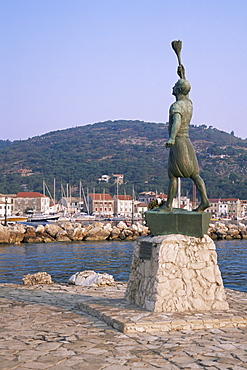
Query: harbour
x: 63, y: 259
x: 123, y: 229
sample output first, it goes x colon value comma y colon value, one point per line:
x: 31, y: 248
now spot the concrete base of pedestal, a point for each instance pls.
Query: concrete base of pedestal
x: 178, y: 221
x: 176, y: 273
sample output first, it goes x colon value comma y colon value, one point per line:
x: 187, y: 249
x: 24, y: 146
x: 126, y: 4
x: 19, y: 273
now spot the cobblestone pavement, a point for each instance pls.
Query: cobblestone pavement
x: 42, y: 327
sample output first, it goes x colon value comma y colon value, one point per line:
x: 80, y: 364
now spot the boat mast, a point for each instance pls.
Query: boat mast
x: 80, y: 195
x: 85, y: 201
x: 46, y: 187
x: 54, y: 184
x: 133, y: 195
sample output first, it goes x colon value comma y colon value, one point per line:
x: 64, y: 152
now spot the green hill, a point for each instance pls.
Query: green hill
x: 133, y: 148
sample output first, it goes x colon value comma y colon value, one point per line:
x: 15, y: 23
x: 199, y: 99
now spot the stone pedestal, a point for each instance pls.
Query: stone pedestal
x: 176, y: 273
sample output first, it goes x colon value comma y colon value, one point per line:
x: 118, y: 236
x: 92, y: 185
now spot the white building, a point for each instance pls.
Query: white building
x: 234, y: 207
x: 123, y: 205
x: 147, y: 197
x: 226, y: 208
x: 185, y: 203
x: 214, y: 208
x: 104, y: 178
x: 140, y: 208
x: 71, y: 204
x: 243, y: 208
x: 6, y: 205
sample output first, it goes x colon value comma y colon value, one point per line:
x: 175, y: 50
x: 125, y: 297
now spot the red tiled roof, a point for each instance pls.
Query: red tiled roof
x: 162, y: 196
x: 30, y: 194
x: 97, y: 196
x: 216, y: 200
x: 142, y: 205
x: 7, y: 195
x: 229, y: 199
x: 123, y: 197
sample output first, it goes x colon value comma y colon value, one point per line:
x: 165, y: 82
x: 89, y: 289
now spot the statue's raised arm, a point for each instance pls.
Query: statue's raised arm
x: 177, y: 47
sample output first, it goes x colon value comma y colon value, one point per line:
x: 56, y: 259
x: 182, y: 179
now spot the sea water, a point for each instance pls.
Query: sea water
x: 61, y: 260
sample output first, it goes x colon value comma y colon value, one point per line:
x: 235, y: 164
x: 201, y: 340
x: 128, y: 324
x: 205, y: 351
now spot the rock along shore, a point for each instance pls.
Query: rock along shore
x: 68, y: 231
x: 227, y: 231
x: 75, y: 231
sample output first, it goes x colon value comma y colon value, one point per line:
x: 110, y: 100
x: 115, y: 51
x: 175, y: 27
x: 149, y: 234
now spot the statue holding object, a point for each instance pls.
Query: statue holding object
x: 182, y: 158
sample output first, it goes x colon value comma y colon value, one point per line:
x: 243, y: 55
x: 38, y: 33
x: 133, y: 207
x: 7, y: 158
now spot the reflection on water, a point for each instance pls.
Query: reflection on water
x: 61, y: 260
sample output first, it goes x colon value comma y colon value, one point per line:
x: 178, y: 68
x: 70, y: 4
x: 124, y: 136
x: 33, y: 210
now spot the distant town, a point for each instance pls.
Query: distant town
x: 92, y: 204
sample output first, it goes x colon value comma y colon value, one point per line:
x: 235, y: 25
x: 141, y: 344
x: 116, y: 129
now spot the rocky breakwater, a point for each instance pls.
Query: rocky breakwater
x: 75, y: 231
x: 227, y: 231
x: 68, y: 231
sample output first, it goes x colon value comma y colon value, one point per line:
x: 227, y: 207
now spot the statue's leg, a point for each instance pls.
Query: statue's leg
x: 172, y: 189
x: 198, y: 181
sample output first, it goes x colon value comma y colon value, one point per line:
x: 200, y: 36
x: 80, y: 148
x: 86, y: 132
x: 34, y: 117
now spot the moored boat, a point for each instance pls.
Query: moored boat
x: 14, y: 219
x: 82, y: 217
x: 42, y: 218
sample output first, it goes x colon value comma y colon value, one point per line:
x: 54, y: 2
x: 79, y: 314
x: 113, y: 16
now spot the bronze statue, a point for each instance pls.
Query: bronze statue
x: 182, y: 158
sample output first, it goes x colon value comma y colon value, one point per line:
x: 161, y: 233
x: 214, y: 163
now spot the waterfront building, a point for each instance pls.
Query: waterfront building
x: 234, y: 207
x: 55, y: 207
x: 226, y: 208
x: 71, y: 204
x: 100, y: 204
x: 161, y: 197
x: 6, y: 204
x: 123, y: 205
x: 243, y: 206
x: 214, y: 208
x: 147, y: 197
x: 140, y: 208
x: 186, y: 203
x: 32, y: 201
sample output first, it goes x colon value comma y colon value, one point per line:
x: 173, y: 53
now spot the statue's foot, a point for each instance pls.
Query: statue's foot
x: 202, y: 206
x: 165, y: 208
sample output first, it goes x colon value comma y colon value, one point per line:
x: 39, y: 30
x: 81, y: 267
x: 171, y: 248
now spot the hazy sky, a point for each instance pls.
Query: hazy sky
x: 68, y: 63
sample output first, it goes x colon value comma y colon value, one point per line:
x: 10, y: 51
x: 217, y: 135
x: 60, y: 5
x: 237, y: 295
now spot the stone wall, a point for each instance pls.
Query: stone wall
x: 180, y: 275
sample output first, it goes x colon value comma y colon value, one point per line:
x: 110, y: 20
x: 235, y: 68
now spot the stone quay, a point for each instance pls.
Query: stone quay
x: 61, y: 327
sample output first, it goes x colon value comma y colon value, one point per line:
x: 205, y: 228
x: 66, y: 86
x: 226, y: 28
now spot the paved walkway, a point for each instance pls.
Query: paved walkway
x: 44, y: 327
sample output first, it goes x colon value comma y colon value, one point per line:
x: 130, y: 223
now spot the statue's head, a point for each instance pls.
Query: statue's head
x: 181, y: 87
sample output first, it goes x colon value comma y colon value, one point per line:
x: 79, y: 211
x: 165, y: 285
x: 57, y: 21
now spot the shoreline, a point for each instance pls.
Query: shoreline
x: 75, y: 231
